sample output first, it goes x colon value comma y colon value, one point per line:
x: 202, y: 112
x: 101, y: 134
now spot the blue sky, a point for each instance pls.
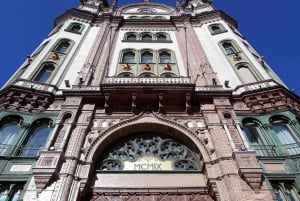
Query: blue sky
x: 271, y: 27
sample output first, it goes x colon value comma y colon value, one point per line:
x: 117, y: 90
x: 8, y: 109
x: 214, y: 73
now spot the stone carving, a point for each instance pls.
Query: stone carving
x: 152, y: 197
x: 150, y: 145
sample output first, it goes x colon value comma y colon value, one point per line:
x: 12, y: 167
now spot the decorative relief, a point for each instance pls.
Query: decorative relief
x: 25, y: 100
x: 160, y: 117
x: 152, y: 197
x: 150, y: 152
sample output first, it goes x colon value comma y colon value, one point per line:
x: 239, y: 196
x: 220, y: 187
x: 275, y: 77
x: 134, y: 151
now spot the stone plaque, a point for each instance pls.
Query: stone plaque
x: 20, y: 168
x: 148, y: 164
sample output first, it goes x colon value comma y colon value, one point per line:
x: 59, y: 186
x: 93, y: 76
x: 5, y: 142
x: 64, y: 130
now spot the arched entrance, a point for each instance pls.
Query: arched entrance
x: 148, y: 161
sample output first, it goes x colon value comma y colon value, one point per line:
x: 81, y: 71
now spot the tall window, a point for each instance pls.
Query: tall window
x: 164, y: 57
x: 229, y: 48
x: 246, y: 73
x: 147, y: 57
x: 9, y: 133
x: 63, y: 47
x: 45, y: 73
x: 128, y: 57
x: 37, y: 137
x: 10, y: 192
x: 285, y: 192
x: 275, y: 138
x: 254, y: 137
x: 285, y: 135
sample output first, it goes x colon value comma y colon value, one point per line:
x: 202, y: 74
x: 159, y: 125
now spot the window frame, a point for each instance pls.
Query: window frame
x: 221, y: 27
x: 71, y: 25
x: 124, y: 52
x: 61, y: 41
x: 38, y: 73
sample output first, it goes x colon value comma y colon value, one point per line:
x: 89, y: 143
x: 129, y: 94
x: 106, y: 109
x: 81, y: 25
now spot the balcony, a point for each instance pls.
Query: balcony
x: 276, y: 150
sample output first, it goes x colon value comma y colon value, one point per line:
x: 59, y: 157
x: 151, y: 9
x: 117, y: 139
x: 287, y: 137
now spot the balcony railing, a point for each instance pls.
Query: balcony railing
x: 276, y: 150
x: 142, y: 80
x: 20, y: 150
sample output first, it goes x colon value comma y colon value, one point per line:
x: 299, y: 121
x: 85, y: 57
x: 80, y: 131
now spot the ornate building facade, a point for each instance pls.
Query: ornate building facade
x: 147, y: 102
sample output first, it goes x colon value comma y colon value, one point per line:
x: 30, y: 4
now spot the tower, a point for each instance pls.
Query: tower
x: 147, y: 102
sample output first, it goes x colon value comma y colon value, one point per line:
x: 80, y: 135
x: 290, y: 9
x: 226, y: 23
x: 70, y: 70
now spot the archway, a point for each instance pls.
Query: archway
x: 148, y: 160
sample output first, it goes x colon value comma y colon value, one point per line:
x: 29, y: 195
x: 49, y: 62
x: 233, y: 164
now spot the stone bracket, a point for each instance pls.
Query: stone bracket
x: 249, y: 169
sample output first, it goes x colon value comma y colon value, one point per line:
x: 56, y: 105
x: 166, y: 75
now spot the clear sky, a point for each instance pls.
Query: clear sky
x: 271, y: 27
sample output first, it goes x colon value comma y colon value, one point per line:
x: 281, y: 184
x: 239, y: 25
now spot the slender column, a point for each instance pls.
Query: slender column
x: 232, y: 144
x: 237, y: 125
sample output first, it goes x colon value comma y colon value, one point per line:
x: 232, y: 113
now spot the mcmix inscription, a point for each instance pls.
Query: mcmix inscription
x: 148, y: 164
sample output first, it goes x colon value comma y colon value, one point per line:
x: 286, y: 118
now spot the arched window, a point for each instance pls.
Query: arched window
x: 245, y: 73
x: 217, y: 29
x: 147, y: 56
x: 285, y: 192
x: 161, y: 36
x: 37, y: 137
x: 10, y: 192
x: 164, y: 57
x: 229, y: 47
x: 63, y: 46
x: 75, y: 28
x: 128, y: 56
x: 44, y: 73
x: 9, y: 133
x: 131, y: 36
x: 284, y: 134
x: 146, y: 36
x: 254, y: 136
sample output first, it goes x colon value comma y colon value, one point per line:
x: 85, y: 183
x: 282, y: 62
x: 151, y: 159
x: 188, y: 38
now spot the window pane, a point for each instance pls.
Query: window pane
x: 37, y: 140
x: 75, y: 28
x: 131, y: 37
x: 147, y: 57
x: 63, y: 47
x: 146, y: 37
x: 164, y: 57
x: 229, y: 49
x: 8, y: 136
x: 128, y: 57
x: 45, y: 73
x: 161, y: 37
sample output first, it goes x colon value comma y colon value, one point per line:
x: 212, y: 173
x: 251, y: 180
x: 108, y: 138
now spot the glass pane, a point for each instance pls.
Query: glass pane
x: 45, y: 73
x: 16, y: 195
x: 63, y: 47
x: 164, y: 57
x: 147, y: 57
x: 8, y: 135
x: 286, y: 138
x: 229, y: 49
x: 128, y: 57
x: 75, y: 28
x: 4, y: 192
x: 147, y: 37
x: 131, y: 37
x: 37, y: 140
x: 161, y: 37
